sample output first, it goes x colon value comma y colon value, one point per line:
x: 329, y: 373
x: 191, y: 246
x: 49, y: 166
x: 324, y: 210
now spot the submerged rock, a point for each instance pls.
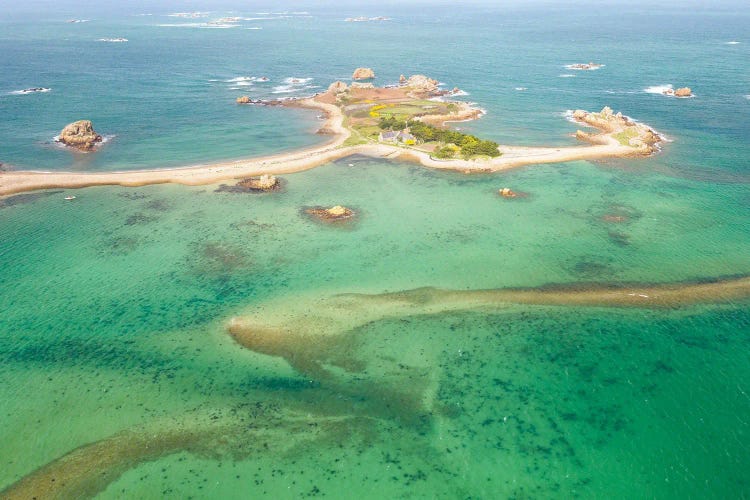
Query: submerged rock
x: 507, y: 193
x: 363, y: 74
x: 334, y: 213
x: 263, y: 183
x: 80, y: 135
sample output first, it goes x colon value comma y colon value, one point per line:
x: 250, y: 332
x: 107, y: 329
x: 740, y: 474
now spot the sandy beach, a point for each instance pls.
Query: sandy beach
x: 13, y: 182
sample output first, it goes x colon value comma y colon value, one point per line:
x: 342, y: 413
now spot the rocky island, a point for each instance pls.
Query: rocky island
x: 80, y: 135
x: 408, y: 121
x: 681, y: 92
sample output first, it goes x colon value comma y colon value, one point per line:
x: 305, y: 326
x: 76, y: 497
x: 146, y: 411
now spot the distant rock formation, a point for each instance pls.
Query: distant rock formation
x: 681, y: 92
x: 80, y: 135
x: 334, y: 213
x: 338, y: 87
x: 363, y: 74
x: 422, y: 84
x: 243, y: 100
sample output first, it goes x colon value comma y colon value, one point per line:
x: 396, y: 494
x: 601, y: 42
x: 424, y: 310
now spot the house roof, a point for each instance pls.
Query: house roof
x: 389, y: 134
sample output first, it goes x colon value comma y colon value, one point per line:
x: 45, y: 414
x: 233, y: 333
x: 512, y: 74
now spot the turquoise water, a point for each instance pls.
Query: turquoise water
x: 114, y: 307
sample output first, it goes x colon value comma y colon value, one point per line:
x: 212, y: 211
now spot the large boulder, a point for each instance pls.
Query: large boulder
x: 80, y: 135
x: 402, y: 80
x: 243, y: 100
x: 363, y: 74
x: 338, y: 87
x: 683, y: 92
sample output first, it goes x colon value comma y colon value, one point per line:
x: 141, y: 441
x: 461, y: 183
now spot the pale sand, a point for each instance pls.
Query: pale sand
x: 297, y: 161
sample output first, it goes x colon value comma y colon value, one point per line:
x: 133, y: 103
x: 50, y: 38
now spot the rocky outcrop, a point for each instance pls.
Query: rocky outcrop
x: 263, y: 183
x: 422, y: 84
x: 363, y: 74
x: 402, y: 80
x: 620, y: 127
x: 243, y: 100
x: 334, y: 213
x: 683, y: 92
x: 360, y: 85
x: 338, y: 87
x: 80, y: 135
x: 507, y: 193
x: 590, y: 138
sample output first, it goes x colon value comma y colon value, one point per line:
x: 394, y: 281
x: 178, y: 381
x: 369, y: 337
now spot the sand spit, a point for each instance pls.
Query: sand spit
x: 512, y: 156
x: 340, y: 313
x: 88, y: 470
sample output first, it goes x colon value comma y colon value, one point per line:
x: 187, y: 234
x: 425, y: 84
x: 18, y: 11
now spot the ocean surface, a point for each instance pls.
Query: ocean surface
x: 118, y: 374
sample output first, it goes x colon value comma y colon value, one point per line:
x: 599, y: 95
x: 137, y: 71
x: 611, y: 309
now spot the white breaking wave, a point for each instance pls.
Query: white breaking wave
x: 180, y: 25
x: 733, y: 42
x: 521, y: 89
x: 113, y: 40
x: 658, y: 89
x: 218, y: 26
x: 297, y: 81
x: 105, y: 140
x: 34, y: 90
x: 239, y: 79
x: 567, y: 75
x: 254, y: 28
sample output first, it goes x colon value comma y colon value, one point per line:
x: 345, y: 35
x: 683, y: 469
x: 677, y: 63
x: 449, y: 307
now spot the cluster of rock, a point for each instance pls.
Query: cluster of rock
x: 80, y: 135
x: 246, y: 100
x: 363, y: 74
x: 643, y: 137
x: 584, y: 66
x: 263, y: 183
x: 507, y: 193
x: 681, y: 92
x: 422, y: 84
x: 334, y: 213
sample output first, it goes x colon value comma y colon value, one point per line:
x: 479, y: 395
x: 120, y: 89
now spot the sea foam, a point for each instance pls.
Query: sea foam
x: 36, y: 90
x: 658, y: 89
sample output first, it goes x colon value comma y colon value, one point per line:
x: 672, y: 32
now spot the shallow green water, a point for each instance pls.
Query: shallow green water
x: 114, y: 311
x: 114, y: 307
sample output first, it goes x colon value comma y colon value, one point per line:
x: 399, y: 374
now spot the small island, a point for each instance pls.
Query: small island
x: 407, y: 121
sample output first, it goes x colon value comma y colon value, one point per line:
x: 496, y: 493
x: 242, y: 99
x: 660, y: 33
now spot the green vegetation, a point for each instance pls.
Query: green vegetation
x: 391, y: 123
x: 354, y: 140
x: 469, y: 145
x: 446, y: 152
x: 625, y: 136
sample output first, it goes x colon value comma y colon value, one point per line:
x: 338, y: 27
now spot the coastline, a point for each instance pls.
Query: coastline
x: 14, y: 182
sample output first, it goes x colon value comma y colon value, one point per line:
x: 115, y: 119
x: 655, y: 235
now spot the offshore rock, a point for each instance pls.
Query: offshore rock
x: 80, y: 135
